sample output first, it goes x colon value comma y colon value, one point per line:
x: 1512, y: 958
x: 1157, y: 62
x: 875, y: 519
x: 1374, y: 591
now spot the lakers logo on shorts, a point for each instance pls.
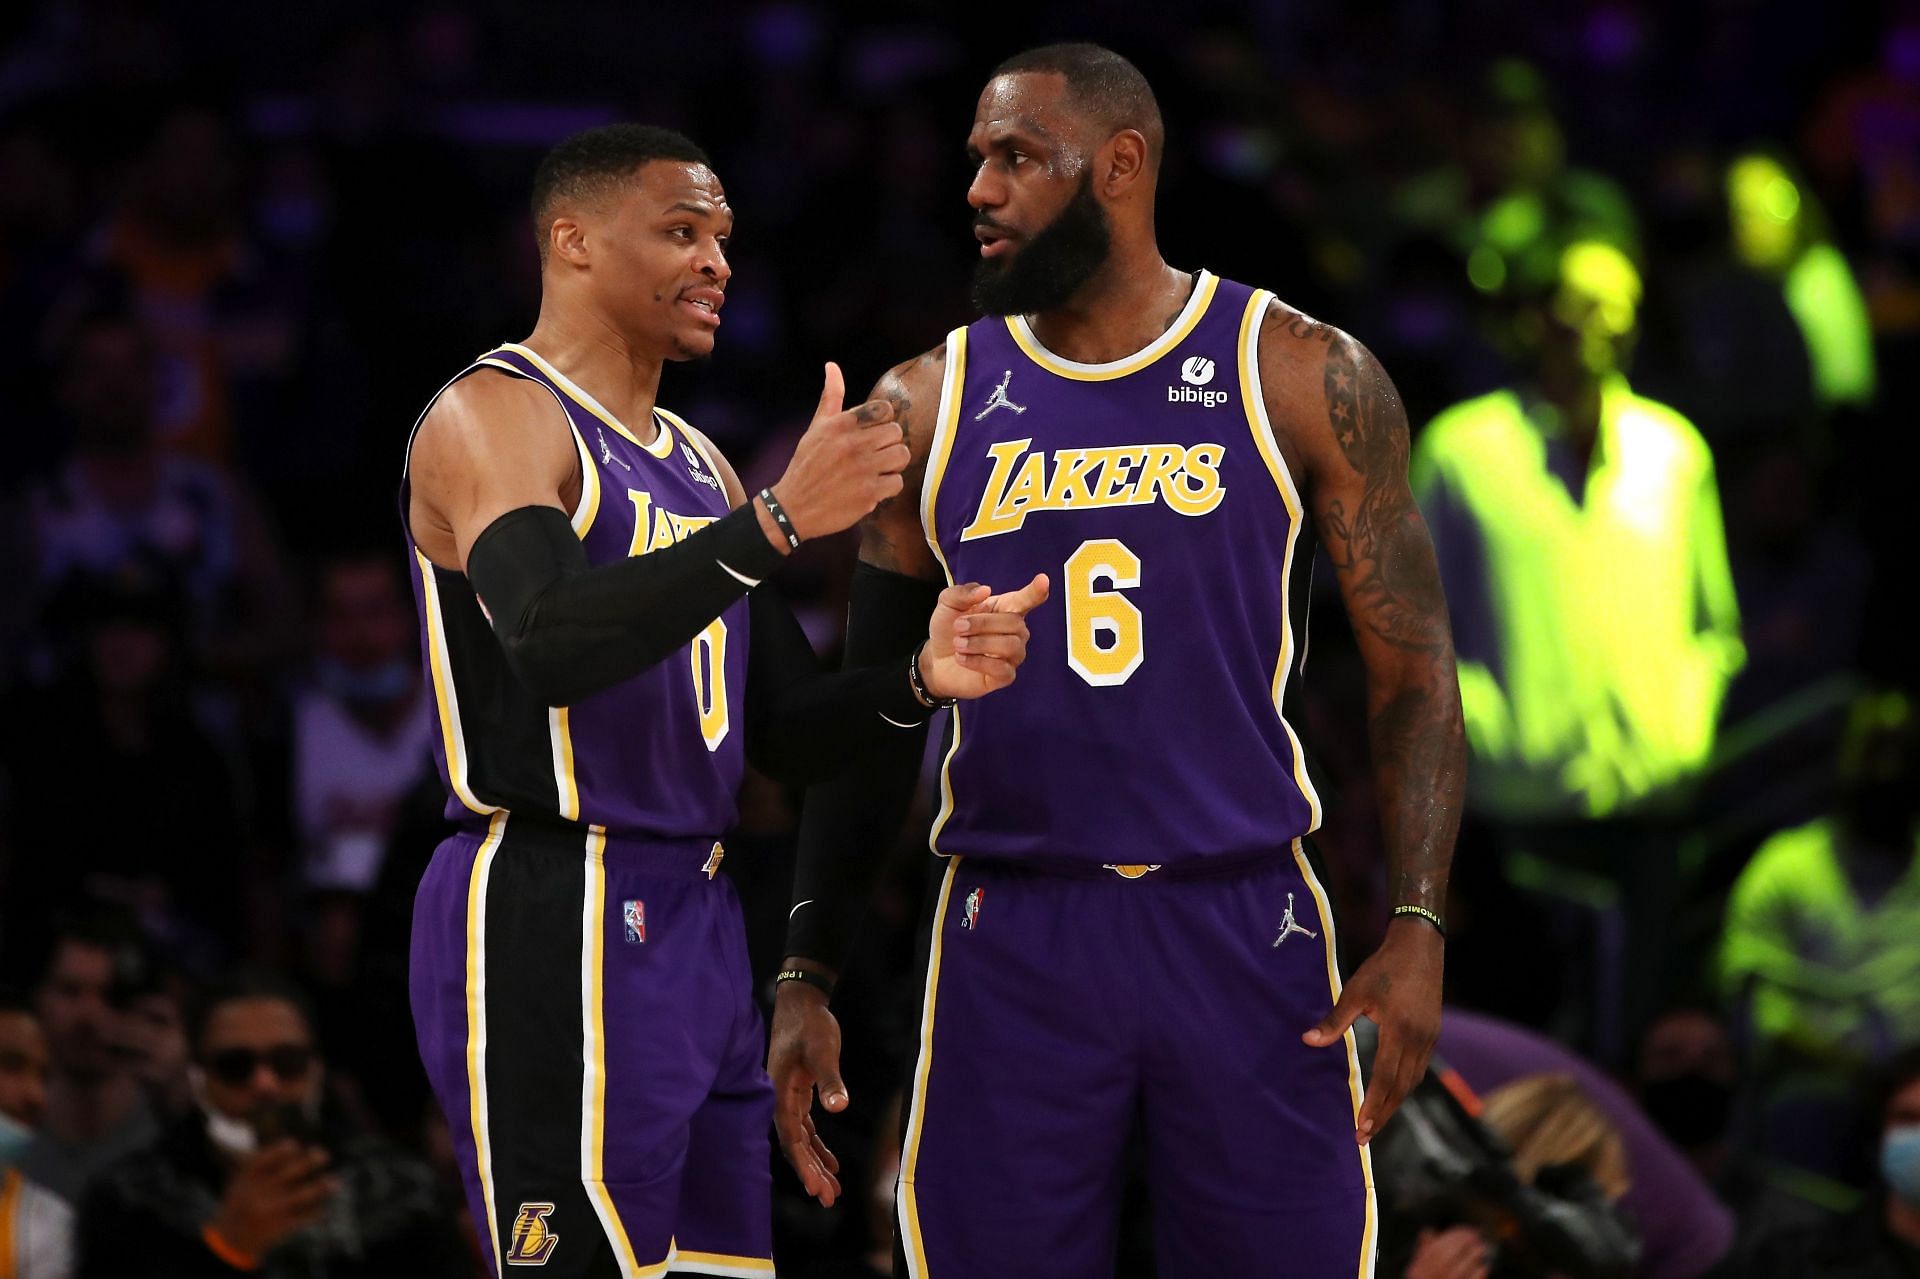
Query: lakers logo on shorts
x: 1132, y: 870
x: 533, y: 1240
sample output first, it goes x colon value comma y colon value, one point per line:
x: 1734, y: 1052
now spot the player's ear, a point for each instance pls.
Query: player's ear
x: 1123, y: 161
x: 567, y: 240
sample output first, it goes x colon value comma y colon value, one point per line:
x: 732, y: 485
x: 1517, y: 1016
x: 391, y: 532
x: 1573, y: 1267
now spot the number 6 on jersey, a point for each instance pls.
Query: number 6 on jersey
x: 1105, y: 640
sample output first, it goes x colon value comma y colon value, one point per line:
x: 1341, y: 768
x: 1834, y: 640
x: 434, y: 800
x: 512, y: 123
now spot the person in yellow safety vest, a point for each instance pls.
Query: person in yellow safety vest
x: 1822, y: 939
x: 1581, y: 548
x: 1778, y: 232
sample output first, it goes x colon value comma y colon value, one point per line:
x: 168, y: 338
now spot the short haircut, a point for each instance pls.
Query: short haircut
x: 1102, y: 85
x: 240, y: 986
x: 103, y: 927
x: 590, y: 164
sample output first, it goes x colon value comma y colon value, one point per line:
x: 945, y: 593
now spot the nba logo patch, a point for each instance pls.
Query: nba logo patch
x: 634, y: 913
x: 971, y: 919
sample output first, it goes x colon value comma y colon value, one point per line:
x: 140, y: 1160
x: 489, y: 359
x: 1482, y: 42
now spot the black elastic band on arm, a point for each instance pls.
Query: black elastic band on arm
x: 570, y: 630
x: 849, y: 824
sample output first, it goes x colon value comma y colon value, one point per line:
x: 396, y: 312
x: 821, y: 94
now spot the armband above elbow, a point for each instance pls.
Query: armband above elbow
x: 517, y: 557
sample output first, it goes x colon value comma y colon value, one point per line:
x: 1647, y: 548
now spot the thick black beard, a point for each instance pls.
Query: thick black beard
x: 1052, y: 266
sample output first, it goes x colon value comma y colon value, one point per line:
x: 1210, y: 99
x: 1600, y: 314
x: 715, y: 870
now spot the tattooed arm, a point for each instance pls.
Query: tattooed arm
x: 891, y: 538
x: 1343, y: 431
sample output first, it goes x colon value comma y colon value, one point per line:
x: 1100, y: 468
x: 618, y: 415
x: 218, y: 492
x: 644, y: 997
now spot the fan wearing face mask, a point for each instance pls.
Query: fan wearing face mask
x: 1882, y: 1238
x: 261, y: 1175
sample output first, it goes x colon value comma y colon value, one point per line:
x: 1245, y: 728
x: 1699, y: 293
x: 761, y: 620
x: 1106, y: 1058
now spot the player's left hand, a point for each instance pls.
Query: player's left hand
x: 976, y: 639
x: 1399, y: 987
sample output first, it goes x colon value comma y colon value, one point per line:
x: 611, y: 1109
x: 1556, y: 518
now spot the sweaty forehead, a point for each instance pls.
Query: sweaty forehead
x: 1032, y: 104
x: 663, y: 185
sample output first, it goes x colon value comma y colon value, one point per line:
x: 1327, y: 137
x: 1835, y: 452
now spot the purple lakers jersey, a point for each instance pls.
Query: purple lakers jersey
x: 1147, y: 726
x: 658, y: 756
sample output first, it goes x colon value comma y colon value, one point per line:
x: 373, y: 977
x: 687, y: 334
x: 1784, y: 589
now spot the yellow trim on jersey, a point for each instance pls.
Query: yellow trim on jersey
x: 663, y: 442
x: 946, y: 424
x: 588, y: 506
x: 1251, y: 396
x: 1176, y: 333
x: 1356, y: 1089
x: 720, y: 1263
x: 662, y: 446
x: 909, y: 1204
x: 477, y: 879
x: 447, y: 701
x: 701, y: 445
x: 593, y: 1080
x: 566, y: 787
x: 693, y: 438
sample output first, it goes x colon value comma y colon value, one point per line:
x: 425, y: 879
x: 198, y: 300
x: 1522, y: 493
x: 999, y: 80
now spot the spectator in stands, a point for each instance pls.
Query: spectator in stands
x: 1780, y: 234
x: 1822, y: 942
x: 36, y: 1226
x: 95, y: 1109
x: 119, y: 500
x: 263, y: 1175
x: 152, y: 1035
x: 1882, y: 1239
x: 362, y: 729
x: 1579, y: 535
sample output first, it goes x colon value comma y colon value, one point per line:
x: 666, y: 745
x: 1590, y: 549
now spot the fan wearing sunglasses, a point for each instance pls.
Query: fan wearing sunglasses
x: 262, y: 1176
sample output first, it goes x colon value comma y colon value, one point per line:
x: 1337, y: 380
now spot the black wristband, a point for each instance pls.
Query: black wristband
x: 819, y: 981
x: 1421, y: 912
x: 780, y: 519
x: 919, y: 687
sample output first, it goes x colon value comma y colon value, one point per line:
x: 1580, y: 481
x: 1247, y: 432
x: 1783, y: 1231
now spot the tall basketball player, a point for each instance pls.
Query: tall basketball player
x: 585, y: 564
x: 1128, y: 926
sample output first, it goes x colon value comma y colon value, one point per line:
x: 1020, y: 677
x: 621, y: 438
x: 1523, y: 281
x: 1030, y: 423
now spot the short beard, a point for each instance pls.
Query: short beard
x: 684, y: 354
x: 1053, y: 265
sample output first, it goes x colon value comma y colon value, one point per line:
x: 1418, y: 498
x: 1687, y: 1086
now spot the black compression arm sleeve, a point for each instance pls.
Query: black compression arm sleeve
x: 805, y: 725
x: 569, y: 630
x: 849, y: 823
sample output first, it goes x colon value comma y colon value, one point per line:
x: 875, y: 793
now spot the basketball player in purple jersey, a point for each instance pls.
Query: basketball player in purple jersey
x: 585, y: 563
x: 1128, y: 927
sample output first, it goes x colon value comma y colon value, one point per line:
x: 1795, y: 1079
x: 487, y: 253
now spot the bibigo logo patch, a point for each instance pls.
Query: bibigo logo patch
x: 1196, y: 371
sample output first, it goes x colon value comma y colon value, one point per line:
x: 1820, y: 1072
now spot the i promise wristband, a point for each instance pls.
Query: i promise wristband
x: 780, y: 519
x: 919, y: 686
x: 1423, y: 913
x: 819, y: 981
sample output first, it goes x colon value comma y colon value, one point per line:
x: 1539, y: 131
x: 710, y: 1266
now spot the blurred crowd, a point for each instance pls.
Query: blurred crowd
x: 1647, y: 276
